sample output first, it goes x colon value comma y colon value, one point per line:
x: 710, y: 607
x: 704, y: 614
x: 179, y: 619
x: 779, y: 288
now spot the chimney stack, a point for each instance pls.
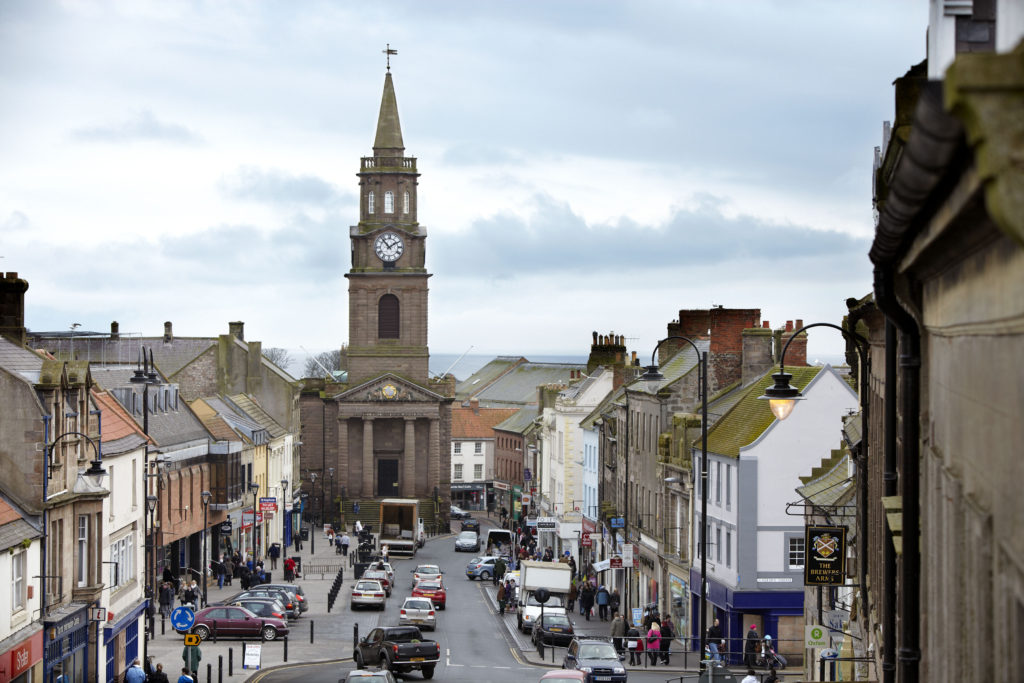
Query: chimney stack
x: 115, y: 333
x: 168, y: 334
x: 237, y: 330
x: 12, y: 308
x: 474, y: 404
x: 796, y: 354
x: 725, y: 352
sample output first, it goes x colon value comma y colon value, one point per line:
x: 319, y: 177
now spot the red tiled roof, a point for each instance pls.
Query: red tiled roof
x: 467, y: 423
x: 117, y: 423
x: 216, y: 425
x: 7, y: 513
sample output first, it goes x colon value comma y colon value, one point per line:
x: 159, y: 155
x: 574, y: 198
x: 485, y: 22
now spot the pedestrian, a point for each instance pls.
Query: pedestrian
x: 188, y: 596
x: 135, y: 674
x: 157, y: 676
x: 573, y: 593
x: 289, y: 569
x: 236, y: 564
x: 274, y: 553
x: 166, y: 598
x: 773, y: 677
x: 192, y: 655
x: 715, y: 641
x: 654, y: 643
x: 384, y: 551
x: 751, y: 677
x: 618, y: 631
x: 345, y: 543
x: 185, y: 677
x: 614, y: 600
x: 218, y: 570
x: 635, y: 645
x: 668, y: 632
x: 297, y: 540
x: 244, y: 579
x: 602, y: 603
x: 501, y: 599
x: 229, y: 570
x: 587, y: 599
x: 499, y: 570
x: 751, y: 647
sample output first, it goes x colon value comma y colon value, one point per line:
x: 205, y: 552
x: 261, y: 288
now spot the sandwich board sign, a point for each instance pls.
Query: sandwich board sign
x: 252, y: 655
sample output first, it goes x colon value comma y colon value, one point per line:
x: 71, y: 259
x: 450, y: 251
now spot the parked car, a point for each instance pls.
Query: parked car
x: 481, y: 567
x: 368, y: 593
x: 595, y: 656
x: 468, y: 540
x: 380, y: 565
x: 261, y: 591
x: 563, y: 676
x: 368, y: 676
x: 236, y: 622
x: 379, y: 575
x: 470, y: 524
x: 433, y: 589
x: 293, y: 589
x: 425, y: 571
x: 399, y: 649
x: 263, y: 607
x: 457, y: 513
x: 417, y: 612
x: 552, y: 629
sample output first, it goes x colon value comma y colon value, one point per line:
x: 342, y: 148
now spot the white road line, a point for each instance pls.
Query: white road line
x: 447, y: 657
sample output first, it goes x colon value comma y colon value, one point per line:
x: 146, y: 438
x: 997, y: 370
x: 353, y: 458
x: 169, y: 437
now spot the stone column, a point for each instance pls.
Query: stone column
x: 343, y: 460
x: 409, y: 459
x: 368, y: 457
x: 434, y: 455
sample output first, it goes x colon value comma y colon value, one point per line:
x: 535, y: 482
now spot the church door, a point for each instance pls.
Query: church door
x: 387, y: 478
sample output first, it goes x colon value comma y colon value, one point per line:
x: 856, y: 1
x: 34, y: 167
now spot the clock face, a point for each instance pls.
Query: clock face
x: 389, y: 247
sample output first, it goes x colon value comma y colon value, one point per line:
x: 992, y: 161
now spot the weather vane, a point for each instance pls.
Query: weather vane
x: 388, y: 51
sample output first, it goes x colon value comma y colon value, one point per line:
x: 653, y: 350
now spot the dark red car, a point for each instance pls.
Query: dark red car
x: 228, y: 621
x: 433, y: 589
x: 379, y: 575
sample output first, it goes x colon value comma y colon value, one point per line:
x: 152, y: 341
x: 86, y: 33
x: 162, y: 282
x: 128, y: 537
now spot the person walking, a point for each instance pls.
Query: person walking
x: 499, y: 571
x: 185, y: 676
x: 654, y: 643
x: 715, y: 641
x: 573, y: 593
x: 218, y: 569
x: 602, y: 603
x: 587, y: 599
x: 229, y: 570
x: 635, y: 645
x: 158, y: 675
x: 501, y: 599
x: 618, y: 631
x: 192, y: 655
x: 274, y: 553
x: 345, y: 543
x: 614, y: 601
x: 751, y: 646
x: 135, y: 674
x: 289, y: 569
x: 668, y: 632
x: 166, y: 598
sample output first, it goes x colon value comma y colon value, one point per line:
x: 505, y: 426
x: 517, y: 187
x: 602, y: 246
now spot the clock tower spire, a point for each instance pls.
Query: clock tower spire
x: 387, y: 283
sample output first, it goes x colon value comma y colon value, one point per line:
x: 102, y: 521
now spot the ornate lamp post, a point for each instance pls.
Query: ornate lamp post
x: 151, y: 502
x: 330, y: 473
x: 312, y: 521
x: 254, y: 489
x: 284, y: 511
x: 653, y: 376
x: 206, y: 495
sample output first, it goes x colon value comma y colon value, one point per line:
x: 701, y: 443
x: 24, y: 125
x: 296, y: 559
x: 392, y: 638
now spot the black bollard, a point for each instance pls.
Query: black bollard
x: 311, y: 623
x: 209, y: 673
x: 286, y: 649
x: 231, y: 661
x: 355, y: 634
x: 163, y: 624
x: 220, y: 668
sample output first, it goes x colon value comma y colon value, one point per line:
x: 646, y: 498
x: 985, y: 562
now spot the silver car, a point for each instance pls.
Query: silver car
x: 368, y: 593
x: 468, y: 540
x: 418, y: 612
x: 370, y: 676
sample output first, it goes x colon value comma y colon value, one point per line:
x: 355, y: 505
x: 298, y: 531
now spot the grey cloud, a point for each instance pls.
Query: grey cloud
x: 473, y: 154
x: 555, y: 240
x: 142, y: 126
x: 274, y: 186
x: 16, y: 221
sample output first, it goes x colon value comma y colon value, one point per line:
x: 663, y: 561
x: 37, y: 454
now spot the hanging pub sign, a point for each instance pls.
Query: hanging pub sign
x: 825, y: 564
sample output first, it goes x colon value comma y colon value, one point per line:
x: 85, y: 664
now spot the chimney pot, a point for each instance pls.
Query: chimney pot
x: 168, y: 334
x: 799, y: 323
x: 766, y: 325
x: 789, y: 326
x: 115, y: 330
x: 237, y: 329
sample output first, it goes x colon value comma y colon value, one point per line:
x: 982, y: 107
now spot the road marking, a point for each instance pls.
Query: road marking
x: 447, y: 657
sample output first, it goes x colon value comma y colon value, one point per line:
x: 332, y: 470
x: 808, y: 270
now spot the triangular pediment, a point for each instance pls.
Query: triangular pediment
x: 388, y: 388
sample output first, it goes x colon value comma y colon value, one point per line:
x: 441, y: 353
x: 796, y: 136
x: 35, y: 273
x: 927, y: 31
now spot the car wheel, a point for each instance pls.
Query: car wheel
x: 202, y: 632
x: 485, y: 575
x: 359, y: 660
x: 268, y: 633
x: 428, y: 672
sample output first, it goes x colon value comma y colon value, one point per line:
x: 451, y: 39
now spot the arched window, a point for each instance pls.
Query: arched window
x: 389, y: 202
x: 387, y: 317
x: 369, y: 202
x: 405, y: 203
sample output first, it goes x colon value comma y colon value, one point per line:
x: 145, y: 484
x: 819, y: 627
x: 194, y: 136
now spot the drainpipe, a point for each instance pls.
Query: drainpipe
x: 891, y: 488
x: 46, y: 487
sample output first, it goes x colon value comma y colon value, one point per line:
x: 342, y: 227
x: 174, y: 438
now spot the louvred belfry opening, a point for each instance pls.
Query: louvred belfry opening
x: 387, y: 317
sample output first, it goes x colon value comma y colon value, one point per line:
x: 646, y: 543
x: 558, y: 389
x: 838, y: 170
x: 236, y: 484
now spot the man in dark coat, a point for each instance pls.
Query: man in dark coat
x: 751, y: 646
x: 587, y: 599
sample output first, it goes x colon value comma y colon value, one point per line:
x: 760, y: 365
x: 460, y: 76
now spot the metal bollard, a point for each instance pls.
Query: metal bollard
x: 231, y: 661
x: 209, y: 673
x: 220, y: 668
x: 286, y: 649
x: 163, y: 623
x: 311, y: 625
x: 355, y: 634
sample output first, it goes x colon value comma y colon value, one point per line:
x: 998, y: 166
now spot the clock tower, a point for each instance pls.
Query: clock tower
x: 387, y: 284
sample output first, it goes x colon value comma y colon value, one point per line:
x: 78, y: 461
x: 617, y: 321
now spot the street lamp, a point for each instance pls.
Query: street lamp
x: 330, y: 471
x: 312, y: 524
x: 254, y: 489
x: 206, y: 495
x: 284, y: 512
x: 652, y: 376
x: 151, y: 502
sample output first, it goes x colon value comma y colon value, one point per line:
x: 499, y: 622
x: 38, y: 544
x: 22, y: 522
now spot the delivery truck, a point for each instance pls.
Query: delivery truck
x: 399, y: 524
x: 555, y: 576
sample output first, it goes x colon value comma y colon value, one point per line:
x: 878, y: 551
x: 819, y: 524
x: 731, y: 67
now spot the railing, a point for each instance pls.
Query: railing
x: 404, y: 163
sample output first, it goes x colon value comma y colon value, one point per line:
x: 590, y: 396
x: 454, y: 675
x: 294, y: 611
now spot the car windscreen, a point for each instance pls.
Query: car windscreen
x: 556, y: 620
x: 598, y: 651
x: 403, y: 635
x: 368, y: 586
x: 427, y: 570
x: 467, y: 536
x: 418, y: 604
x: 429, y: 585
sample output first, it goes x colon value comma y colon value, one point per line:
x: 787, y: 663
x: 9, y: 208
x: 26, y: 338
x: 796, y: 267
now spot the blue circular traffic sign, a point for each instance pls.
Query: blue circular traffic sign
x: 182, y: 618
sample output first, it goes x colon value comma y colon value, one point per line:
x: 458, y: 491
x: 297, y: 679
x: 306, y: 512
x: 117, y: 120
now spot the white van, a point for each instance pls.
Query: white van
x: 496, y: 536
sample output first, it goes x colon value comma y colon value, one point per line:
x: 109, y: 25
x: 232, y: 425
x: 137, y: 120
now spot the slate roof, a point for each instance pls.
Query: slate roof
x: 250, y: 407
x: 15, y: 525
x: 519, y: 421
x: 577, y: 389
x: 240, y: 422
x: 483, y: 377
x: 174, y: 424
x: 467, y: 424
x: 518, y: 386
x: 213, y: 422
x: 675, y: 368
x: 830, y: 483
x: 750, y: 417
x: 20, y: 361
x: 120, y: 432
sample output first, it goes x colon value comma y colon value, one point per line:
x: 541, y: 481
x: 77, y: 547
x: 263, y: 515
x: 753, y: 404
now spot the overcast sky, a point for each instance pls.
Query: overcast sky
x: 586, y: 165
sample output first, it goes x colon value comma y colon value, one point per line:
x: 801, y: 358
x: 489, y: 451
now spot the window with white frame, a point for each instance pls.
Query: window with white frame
x: 405, y: 202
x: 718, y: 544
x: 478, y: 447
x: 718, y: 483
x: 728, y: 549
x: 122, y: 551
x: 796, y: 552
x: 369, y: 202
x: 82, y: 551
x: 478, y: 472
x: 458, y: 471
x: 728, y: 487
x: 389, y: 202
x: 458, y: 447
x: 19, y: 593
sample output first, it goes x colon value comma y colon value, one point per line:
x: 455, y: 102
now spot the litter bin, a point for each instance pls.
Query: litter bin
x: 360, y: 567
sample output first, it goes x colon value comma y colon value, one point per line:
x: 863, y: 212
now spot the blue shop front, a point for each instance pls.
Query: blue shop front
x: 736, y: 610
x: 66, y: 636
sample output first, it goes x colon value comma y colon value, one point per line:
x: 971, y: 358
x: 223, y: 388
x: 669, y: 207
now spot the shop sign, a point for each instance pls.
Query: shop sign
x: 502, y: 486
x: 585, y: 540
x: 530, y: 521
x: 615, y: 562
x: 589, y: 525
x: 547, y: 523
x: 618, y: 522
x: 269, y: 503
x: 226, y: 527
x: 527, y: 499
x: 526, y: 475
x: 826, y: 556
x: 247, y: 518
x: 25, y: 655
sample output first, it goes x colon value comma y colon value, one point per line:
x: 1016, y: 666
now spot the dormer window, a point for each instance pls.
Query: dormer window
x: 405, y: 203
x: 389, y: 202
x: 369, y: 202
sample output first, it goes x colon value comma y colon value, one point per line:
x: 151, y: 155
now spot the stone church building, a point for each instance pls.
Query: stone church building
x: 381, y: 429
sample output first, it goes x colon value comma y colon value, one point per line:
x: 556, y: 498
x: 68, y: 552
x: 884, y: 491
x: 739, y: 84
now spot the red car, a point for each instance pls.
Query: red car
x: 229, y: 621
x: 433, y: 589
x: 379, y: 575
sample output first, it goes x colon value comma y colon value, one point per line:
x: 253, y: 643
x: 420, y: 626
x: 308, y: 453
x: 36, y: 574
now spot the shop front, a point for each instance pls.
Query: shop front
x: 67, y: 644
x: 502, y: 496
x: 569, y: 541
x: 22, y: 659
x: 678, y: 598
x: 469, y: 496
x: 121, y: 640
x: 250, y: 536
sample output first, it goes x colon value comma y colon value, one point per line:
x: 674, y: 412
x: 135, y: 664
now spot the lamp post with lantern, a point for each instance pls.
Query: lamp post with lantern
x: 206, y: 496
x: 254, y: 489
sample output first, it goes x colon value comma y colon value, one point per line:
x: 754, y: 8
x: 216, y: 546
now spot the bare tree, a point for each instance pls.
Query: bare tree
x: 278, y: 356
x: 331, y: 360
